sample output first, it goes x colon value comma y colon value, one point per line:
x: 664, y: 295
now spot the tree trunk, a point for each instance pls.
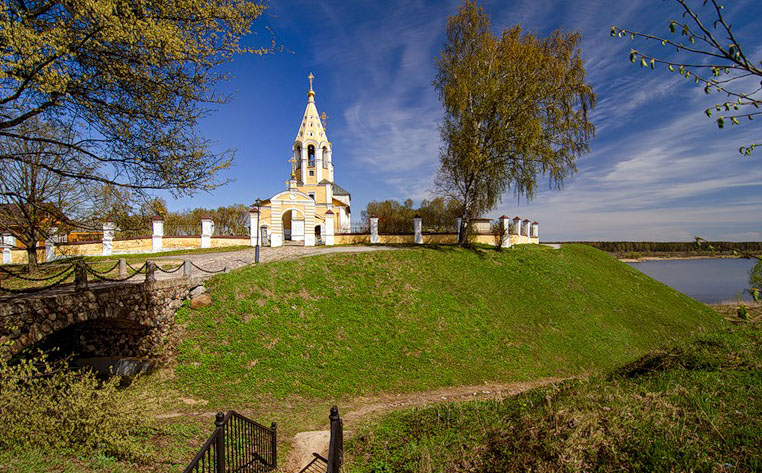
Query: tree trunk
x: 31, y: 256
x: 463, y: 234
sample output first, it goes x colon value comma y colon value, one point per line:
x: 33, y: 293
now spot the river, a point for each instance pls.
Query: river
x: 710, y: 280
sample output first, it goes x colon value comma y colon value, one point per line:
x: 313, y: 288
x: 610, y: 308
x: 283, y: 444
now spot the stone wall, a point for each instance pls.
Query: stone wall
x: 105, y: 320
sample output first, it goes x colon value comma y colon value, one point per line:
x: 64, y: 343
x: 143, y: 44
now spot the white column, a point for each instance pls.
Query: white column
x: 374, y: 229
x: 319, y: 165
x: 304, y: 163
x: 517, y: 228
x: 108, y: 237
x: 253, y: 227
x: 328, y: 228
x: 505, y: 225
x: 207, y: 230
x: 7, y: 242
x: 158, y: 233
x: 525, y: 229
x: 50, y: 244
x: 329, y: 166
x: 536, y: 231
x: 417, y: 228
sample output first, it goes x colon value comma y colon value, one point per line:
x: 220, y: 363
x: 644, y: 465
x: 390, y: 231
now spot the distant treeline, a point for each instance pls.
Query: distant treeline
x: 673, y: 246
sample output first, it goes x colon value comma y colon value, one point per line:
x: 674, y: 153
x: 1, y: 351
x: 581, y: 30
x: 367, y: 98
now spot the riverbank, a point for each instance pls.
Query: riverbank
x: 669, y: 258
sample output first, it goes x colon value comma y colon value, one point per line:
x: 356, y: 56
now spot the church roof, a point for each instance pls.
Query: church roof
x: 338, y: 190
x: 311, y: 127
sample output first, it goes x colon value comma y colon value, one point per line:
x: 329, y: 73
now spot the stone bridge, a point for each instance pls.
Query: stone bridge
x: 132, y: 319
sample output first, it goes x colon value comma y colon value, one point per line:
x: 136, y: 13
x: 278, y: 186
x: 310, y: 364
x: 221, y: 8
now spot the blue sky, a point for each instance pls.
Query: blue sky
x: 658, y: 169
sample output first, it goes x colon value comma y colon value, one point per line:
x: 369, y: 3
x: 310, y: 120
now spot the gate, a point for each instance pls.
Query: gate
x: 237, y: 445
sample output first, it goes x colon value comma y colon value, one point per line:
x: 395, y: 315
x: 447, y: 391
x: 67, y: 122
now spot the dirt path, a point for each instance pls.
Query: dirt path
x: 305, y: 443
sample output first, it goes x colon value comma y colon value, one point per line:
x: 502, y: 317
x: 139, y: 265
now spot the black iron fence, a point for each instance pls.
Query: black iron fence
x: 237, y: 445
x: 335, y: 460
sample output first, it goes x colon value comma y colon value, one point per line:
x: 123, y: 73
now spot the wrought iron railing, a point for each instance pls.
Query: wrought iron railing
x: 333, y: 463
x: 237, y: 445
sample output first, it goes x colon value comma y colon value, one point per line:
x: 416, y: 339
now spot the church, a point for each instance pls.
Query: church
x: 313, y: 207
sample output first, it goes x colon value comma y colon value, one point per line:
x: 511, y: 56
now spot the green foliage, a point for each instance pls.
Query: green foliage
x: 755, y: 276
x: 675, y: 247
x: 742, y: 311
x: 695, y: 406
x: 516, y: 107
x: 438, y: 215
x: 718, y: 61
x: 423, y: 318
x: 129, y: 81
x: 633, y: 255
x: 47, y: 407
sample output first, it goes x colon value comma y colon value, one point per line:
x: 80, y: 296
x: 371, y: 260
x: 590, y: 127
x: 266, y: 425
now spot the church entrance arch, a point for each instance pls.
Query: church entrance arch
x: 293, y: 225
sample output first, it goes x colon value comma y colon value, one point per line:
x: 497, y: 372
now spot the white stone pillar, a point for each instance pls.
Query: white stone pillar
x: 207, y: 230
x: 50, y: 244
x: 417, y: 228
x: 536, y: 231
x: 319, y: 165
x: 525, y: 229
x: 7, y: 242
x: 304, y: 163
x: 329, y: 223
x: 157, y: 224
x: 374, y: 229
x: 505, y: 225
x: 517, y: 228
x: 253, y: 227
x: 108, y: 237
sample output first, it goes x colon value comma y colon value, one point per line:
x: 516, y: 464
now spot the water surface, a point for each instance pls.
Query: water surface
x: 710, y: 280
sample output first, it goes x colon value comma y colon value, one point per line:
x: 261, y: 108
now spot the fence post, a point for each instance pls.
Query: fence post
x: 150, y: 272
x: 187, y: 268
x: 374, y: 229
x: 536, y: 231
x: 417, y: 228
x: 7, y: 242
x: 253, y: 228
x: 50, y: 244
x: 336, y: 443
x: 157, y: 224
x: 207, y: 229
x: 108, y: 237
x: 122, y: 268
x: 274, y: 446
x: 517, y: 228
x: 329, y: 228
x: 80, y: 276
x: 525, y: 229
x: 219, y: 448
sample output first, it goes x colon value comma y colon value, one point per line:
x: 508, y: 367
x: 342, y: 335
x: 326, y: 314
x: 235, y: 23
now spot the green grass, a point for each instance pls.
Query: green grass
x: 340, y: 326
x: 696, y: 406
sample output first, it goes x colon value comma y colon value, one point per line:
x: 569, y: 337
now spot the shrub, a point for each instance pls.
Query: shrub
x: 633, y: 255
x: 755, y: 276
x: 46, y: 406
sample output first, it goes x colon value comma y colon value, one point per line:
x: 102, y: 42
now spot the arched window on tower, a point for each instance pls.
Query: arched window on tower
x: 325, y: 156
x: 298, y: 156
x: 311, y: 155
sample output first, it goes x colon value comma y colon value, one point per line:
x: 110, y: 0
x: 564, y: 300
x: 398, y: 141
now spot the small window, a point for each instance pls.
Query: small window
x: 312, y: 173
x: 312, y: 195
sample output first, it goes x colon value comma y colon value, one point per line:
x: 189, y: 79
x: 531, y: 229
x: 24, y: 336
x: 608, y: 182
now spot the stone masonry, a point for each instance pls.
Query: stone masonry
x: 120, y: 319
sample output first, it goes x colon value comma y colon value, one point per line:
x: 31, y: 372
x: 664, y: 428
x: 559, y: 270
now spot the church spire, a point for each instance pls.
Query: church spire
x: 311, y: 93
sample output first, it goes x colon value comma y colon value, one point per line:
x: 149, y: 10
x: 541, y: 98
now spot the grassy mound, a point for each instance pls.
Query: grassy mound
x: 694, y: 407
x: 334, y: 326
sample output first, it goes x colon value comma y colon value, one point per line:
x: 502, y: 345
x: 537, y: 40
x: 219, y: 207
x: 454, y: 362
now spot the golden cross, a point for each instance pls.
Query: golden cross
x: 324, y: 119
x: 293, y: 165
x: 310, y: 77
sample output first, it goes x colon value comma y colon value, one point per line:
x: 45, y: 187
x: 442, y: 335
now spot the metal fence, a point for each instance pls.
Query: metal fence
x: 355, y: 227
x: 335, y: 460
x: 237, y: 445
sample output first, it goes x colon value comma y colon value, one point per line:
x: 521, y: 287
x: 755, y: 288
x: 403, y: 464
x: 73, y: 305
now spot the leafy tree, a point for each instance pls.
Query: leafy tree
x: 516, y: 107
x: 35, y: 202
x: 718, y: 62
x: 438, y: 215
x: 755, y: 280
x: 129, y: 79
